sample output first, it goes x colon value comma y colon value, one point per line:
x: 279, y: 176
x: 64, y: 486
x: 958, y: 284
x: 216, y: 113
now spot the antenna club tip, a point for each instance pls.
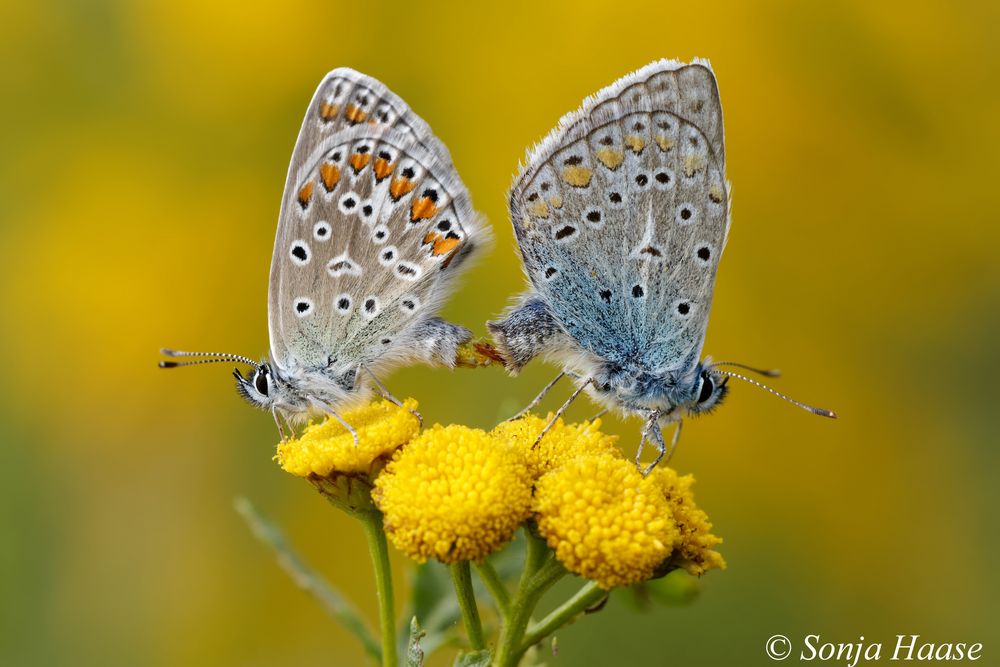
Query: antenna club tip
x: 167, y: 351
x: 826, y: 413
x: 167, y: 364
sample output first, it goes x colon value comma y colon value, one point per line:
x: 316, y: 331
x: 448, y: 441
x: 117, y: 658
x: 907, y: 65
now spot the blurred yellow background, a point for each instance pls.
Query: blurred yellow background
x: 144, y: 150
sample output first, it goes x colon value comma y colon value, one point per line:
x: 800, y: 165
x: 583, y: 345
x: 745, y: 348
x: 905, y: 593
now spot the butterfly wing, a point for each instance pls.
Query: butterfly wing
x: 622, y: 213
x: 374, y: 223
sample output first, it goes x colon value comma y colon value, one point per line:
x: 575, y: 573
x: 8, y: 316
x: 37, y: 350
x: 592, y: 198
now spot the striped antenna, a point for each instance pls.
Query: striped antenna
x: 215, y: 358
x: 768, y: 373
x: 816, y: 411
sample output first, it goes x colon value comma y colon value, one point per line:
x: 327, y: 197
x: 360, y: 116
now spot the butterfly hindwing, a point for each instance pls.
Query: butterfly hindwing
x: 622, y: 213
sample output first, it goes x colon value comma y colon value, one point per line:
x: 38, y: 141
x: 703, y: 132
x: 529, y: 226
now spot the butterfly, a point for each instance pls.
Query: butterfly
x: 374, y: 225
x: 621, y: 215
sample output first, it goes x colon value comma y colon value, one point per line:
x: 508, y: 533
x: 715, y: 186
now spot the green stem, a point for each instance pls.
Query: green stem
x: 496, y: 587
x: 461, y: 577
x: 541, y: 571
x: 585, y: 598
x: 379, y: 552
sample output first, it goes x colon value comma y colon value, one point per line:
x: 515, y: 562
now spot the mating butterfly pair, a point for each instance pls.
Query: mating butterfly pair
x: 621, y: 215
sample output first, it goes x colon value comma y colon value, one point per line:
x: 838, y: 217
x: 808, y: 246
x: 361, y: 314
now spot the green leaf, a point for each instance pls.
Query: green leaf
x: 433, y: 602
x: 473, y: 659
x: 675, y: 589
x: 334, y: 602
x: 433, y: 599
x: 415, y: 654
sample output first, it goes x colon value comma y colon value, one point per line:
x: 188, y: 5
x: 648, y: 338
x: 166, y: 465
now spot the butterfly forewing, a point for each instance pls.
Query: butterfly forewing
x: 346, y: 99
x: 621, y: 215
x: 372, y: 225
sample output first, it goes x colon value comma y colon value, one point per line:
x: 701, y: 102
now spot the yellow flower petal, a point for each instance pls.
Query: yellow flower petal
x: 604, y: 520
x: 693, y: 549
x: 563, y: 443
x: 453, y: 493
x: 328, y: 448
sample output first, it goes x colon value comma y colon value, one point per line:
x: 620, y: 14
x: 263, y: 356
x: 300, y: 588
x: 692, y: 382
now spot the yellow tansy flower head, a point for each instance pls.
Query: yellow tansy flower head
x: 453, y: 493
x: 694, y: 548
x: 563, y: 443
x: 604, y: 520
x: 328, y: 448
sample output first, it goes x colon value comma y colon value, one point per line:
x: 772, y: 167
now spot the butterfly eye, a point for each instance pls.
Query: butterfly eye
x: 707, y: 388
x: 260, y: 382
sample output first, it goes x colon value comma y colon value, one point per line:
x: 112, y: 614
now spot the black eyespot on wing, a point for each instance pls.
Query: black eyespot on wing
x: 431, y: 194
x: 605, y: 295
x: 637, y: 291
x: 594, y: 216
x: 663, y: 177
x: 299, y: 252
x: 302, y: 306
x: 363, y: 149
x: 350, y: 203
x: 386, y: 341
x: 444, y: 225
x: 565, y: 232
x: 370, y: 305
x: 615, y: 198
x: 408, y: 172
x: 343, y: 303
x: 683, y: 308
x: 638, y: 127
x: 545, y: 186
x: 606, y: 141
x: 551, y: 271
x: 704, y: 253
x: 384, y: 156
x: 641, y: 180
x: 366, y: 209
x: 685, y: 213
x: 573, y: 160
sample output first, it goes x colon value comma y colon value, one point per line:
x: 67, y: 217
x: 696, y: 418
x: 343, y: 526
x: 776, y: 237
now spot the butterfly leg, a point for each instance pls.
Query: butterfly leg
x: 599, y: 415
x: 661, y: 446
x: 277, y: 422
x: 350, y: 429
x: 387, y: 395
x: 538, y: 398
x: 653, y: 416
x: 561, y: 410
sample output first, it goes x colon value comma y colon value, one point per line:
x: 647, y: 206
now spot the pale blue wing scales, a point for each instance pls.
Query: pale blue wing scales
x: 613, y: 208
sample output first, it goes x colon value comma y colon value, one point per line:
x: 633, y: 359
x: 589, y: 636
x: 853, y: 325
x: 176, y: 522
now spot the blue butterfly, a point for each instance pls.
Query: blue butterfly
x: 621, y: 215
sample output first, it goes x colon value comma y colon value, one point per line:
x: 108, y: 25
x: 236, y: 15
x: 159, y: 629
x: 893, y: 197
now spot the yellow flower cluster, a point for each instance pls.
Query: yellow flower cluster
x: 563, y: 443
x: 694, y: 550
x: 604, y: 520
x: 328, y: 448
x: 454, y: 493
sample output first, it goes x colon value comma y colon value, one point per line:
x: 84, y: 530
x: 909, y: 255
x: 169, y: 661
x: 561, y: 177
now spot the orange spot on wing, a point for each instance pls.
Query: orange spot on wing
x: 422, y: 209
x: 305, y: 194
x: 444, y: 246
x: 431, y: 237
x: 635, y: 144
x: 328, y: 112
x: 578, y: 177
x: 382, y: 169
x: 399, y: 187
x: 359, y: 161
x: 329, y: 174
x: 354, y: 115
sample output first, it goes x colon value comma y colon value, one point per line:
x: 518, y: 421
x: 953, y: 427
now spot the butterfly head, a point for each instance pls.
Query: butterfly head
x: 710, y: 391
x: 258, y: 387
